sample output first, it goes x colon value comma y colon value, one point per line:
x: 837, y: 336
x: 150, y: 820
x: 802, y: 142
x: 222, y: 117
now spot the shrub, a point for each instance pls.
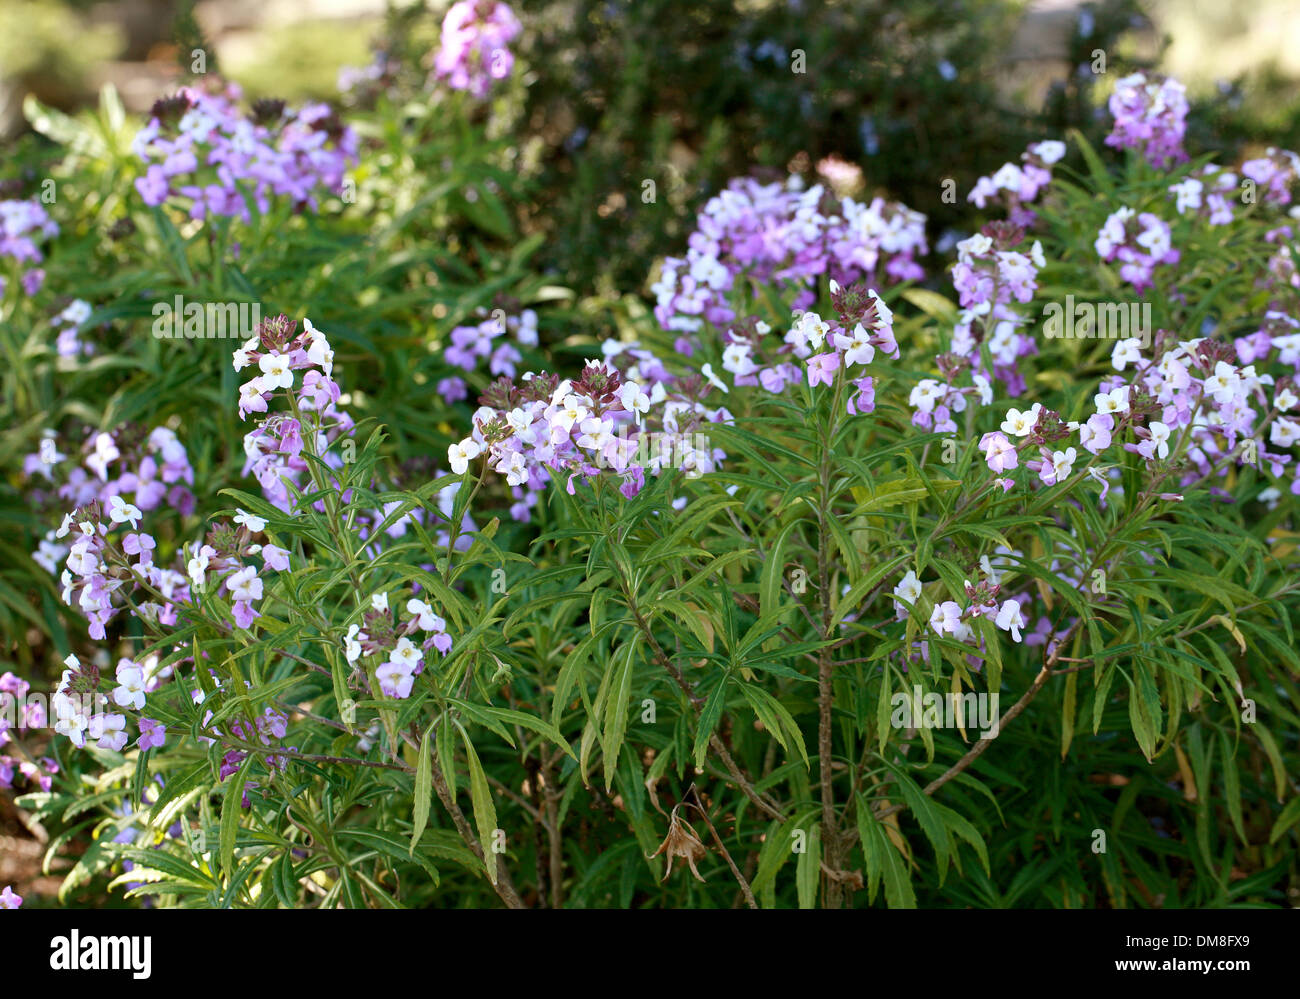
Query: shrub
x: 829, y: 588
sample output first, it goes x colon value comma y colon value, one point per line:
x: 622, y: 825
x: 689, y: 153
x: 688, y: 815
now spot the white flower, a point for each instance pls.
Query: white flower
x: 1284, y: 433
x: 908, y: 588
x: 1010, y: 619
x: 1115, y: 401
x: 514, y: 468
x: 275, y: 372
x: 595, y: 433
x: 1020, y: 424
x: 571, y: 411
x: 406, y: 653
x: 633, y: 399
x: 105, y: 453
x: 1063, y: 463
x: 1160, y: 438
x: 1187, y: 195
x: 319, y: 353
x: 250, y: 392
x: 857, y: 348
x: 736, y: 359
x: 120, y: 511
x: 245, y: 585
x: 926, y: 393
x: 1126, y: 352
x: 197, y: 567
x: 253, y: 523
x: 1223, y: 383
x: 974, y: 246
x: 351, y: 647
x: 76, y: 313
x: 813, y: 329
x: 49, y: 452
x: 130, y: 690
x: 424, y: 616
x: 712, y: 379
x: 460, y: 455
x: 379, y: 602
x: 1049, y: 151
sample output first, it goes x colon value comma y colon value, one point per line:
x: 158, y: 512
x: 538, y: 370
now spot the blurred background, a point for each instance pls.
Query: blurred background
x: 902, y: 93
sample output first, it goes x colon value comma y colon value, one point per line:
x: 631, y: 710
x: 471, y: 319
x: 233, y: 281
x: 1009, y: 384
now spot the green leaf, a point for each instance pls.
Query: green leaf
x: 920, y: 805
x: 485, y: 812
x: 611, y: 742
x: 897, y: 879
x: 423, y: 790
x: 807, y: 876
x: 708, y: 720
x: 769, y: 590
x: 230, y: 810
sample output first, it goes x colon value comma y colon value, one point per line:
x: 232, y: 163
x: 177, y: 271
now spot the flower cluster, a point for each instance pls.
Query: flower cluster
x: 200, y: 146
x: 223, y: 557
x: 1150, y: 116
x: 472, y: 344
x: 1276, y: 172
x: 996, y: 270
x: 474, y: 48
x: 150, y: 469
x: 949, y: 618
x: 401, y: 645
x: 84, y: 713
x: 1018, y: 186
x: 69, y: 323
x: 1140, y: 242
x: 1207, y: 194
x: 600, y: 421
x: 862, y: 324
x: 24, y: 713
x: 1204, y: 391
x: 273, y: 449
x: 779, y: 233
x: 24, y: 225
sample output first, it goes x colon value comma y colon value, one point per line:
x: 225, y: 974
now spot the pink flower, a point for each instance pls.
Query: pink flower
x: 999, y: 452
x: 865, y: 400
x: 822, y: 368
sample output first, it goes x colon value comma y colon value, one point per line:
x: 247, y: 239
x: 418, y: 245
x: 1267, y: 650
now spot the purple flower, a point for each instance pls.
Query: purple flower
x: 153, y: 186
x: 276, y: 558
x: 1150, y: 116
x: 230, y: 763
x: 152, y: 733
x: 473, y: 50
x: 453, y: 389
